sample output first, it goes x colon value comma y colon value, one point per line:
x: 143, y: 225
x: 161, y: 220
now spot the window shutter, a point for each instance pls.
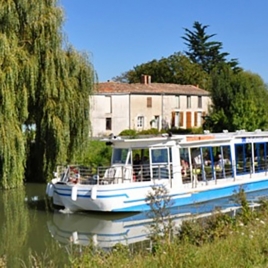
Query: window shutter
x: 172, y: 119
x: 195, y: 118
x: 149, y: 102
x: 188, y: 120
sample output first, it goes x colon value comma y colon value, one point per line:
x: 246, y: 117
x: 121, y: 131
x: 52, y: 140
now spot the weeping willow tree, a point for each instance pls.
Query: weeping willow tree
x: 45, y: 85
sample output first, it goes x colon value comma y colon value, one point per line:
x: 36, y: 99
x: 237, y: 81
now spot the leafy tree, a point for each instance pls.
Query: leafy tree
x: 176, y: 69
x: 204, y: 52
x: 44, y: 87
x: 239, y: 101
x: 95, y: 154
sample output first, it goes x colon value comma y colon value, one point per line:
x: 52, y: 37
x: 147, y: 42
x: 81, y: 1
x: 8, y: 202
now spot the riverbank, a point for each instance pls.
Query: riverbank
x: 220, y: 240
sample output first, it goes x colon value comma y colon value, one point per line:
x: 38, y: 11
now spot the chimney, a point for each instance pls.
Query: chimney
x: 145, y: 79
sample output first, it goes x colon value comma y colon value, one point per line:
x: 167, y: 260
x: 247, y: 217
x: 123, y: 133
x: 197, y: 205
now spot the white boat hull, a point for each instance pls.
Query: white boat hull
x: 134, y: 196
x: 191, y: 169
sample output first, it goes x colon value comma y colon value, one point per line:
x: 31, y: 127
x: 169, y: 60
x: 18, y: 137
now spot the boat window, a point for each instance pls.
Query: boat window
x: 243, y: 158
x: 159, y: 156
x: 120, y: 156
x: 184, y: 154
x: 210, y: 161
x: 260, y: 156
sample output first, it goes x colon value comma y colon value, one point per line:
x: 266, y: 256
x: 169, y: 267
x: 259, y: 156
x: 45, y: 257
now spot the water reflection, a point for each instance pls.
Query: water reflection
x: 23, y: 230
x: 15, y: 223
x: 106, y: 230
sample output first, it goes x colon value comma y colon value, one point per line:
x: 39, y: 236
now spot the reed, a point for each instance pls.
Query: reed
x: 240, y: 246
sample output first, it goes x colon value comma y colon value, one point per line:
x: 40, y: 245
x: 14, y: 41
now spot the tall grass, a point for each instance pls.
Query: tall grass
x: 240, y: 246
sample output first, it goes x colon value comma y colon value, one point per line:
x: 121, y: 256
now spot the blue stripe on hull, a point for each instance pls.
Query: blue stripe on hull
x: 205, y: 196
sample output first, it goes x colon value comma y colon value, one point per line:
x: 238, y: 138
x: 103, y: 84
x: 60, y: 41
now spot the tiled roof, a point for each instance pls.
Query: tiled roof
x: 153, y: 88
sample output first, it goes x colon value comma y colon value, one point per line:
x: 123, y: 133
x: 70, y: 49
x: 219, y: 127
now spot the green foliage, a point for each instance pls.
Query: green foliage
x: 151, y: 131
x: 42, y: 85
x: 94, y: 153
x: 238, y: 101
x: 246, y: 213
x: 176, y: 69
x: 186, y: 131
x: 15, y: 227
x: 133, y: 133
x: 204, y: 230
x: 161, y: 229
x: 129, y: 132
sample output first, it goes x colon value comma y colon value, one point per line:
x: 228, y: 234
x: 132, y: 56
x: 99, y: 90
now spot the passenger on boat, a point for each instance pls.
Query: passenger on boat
x: 221, y: 162
x: 198, y: 159
x: 145, y: 168
x: 184, y: 167
x: 207, y: 160
x: 136, y: 164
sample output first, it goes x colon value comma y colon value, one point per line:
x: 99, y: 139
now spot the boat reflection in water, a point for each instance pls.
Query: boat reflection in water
x: 105, y: 230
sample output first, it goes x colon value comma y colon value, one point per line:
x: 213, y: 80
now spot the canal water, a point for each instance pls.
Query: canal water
x: 32, y: 231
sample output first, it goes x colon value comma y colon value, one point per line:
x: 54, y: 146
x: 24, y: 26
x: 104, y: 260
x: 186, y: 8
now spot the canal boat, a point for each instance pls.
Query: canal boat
x: 167, y: 170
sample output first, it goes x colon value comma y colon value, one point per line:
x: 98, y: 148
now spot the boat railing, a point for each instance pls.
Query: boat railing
x: 61, y: 173
x: 112, y: 174
x: 131, y: 173
x: 196, y: 173
x: 245, y: 167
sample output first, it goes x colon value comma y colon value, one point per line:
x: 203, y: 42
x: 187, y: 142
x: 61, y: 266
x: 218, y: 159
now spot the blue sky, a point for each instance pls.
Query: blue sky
x: 120, y: 34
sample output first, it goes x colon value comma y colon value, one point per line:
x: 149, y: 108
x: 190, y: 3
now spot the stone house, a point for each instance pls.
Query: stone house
x: 118, y: 106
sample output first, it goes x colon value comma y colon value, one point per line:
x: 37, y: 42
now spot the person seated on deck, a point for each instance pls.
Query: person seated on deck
x: 197, y: 159
x: 207, y: 160
x: 136, y: 164
x: 145, y: 169
x: 184, y: 167
x: 221, y: 162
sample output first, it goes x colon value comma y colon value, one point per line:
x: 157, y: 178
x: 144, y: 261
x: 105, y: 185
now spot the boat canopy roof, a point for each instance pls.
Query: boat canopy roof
x: 189, y: 140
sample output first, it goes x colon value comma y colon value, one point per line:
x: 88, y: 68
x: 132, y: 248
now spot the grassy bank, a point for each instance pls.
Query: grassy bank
x: 229, y: 243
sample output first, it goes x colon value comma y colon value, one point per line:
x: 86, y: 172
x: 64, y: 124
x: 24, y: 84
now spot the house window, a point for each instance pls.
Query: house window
x: 108, y: 105
x: 177, y: 102
x: 155, y: 122
x: 109, y: 123
x: 175, y: 119
x: 197, y: 119
x: 199, y: 102
x: 188, y: 102
x: 140, y: 121
x: 149, y: 102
